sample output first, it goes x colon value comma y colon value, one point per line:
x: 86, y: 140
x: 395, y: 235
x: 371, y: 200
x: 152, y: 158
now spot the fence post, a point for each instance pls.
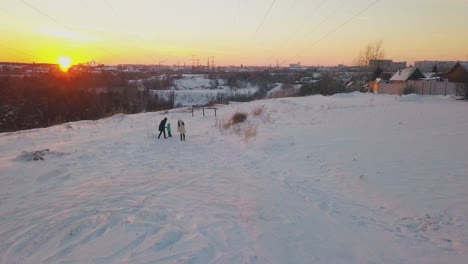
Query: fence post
x: 192, y: 110
x: 215, y: 111
x: 422, y: 89
x: 446, y: 83
x: 203, y: 108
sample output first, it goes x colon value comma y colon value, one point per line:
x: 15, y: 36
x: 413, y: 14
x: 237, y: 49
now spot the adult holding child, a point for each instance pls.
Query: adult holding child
x: 162, y: 127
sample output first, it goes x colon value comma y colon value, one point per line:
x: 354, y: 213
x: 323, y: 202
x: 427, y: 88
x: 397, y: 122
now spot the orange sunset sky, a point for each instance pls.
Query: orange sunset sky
x: 260, y: 32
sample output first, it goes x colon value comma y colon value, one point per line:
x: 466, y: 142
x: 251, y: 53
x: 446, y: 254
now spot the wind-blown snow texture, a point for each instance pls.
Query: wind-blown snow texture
x: 352, y: 178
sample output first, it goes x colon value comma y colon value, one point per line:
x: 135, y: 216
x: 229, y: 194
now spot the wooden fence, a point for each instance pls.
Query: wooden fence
x: 419, y: 87
x: 203, y: 109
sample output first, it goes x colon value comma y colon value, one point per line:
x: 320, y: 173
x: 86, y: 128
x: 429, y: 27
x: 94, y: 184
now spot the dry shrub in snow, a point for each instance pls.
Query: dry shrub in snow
x: 250, y: 132
x: 39, y: 155
x: 261, y: 113
x: 238, y: 118
x: 259, y: 110
x: 238, y: 125
x: 247, y: 131
x: 220, y: 123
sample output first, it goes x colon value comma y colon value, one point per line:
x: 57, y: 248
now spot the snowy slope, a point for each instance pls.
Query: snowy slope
x: 352, y: 178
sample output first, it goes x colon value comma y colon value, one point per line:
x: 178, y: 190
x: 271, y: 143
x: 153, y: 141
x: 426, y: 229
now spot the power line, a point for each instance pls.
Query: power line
x: 265, y: 16
x: 317, y: 8
x: 313, y: 14
x: 337, y: 28
x: 327, y: 18
x: 57, y: 22
x: 120, y: 19
x: 347, y: 21
x: 21, y: 52
x: 39, y: 11
x: 109, y: 5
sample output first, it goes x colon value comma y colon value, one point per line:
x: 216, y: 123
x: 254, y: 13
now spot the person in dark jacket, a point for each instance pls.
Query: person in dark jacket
x: 162, y: 127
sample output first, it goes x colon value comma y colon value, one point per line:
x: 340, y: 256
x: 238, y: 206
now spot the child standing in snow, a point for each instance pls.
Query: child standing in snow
x: 169, y: 134
x: 181, y: 129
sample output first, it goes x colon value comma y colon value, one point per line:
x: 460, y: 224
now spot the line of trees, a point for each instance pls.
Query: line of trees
x: 50, y: 99
x: 328, y: 85
x: 372, y: 51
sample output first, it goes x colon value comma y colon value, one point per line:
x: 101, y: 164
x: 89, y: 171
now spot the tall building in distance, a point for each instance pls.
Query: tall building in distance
x: 387, y: 65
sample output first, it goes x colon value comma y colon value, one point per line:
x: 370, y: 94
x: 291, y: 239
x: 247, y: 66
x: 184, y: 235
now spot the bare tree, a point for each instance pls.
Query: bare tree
x: 373, y: 51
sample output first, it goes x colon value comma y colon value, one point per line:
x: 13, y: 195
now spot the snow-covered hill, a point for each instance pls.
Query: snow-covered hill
x: 351, y: 178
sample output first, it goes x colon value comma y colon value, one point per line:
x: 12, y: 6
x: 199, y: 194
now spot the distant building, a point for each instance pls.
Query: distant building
x: 296, y: 67
x: 428, y: 66
x: 387, y: 65
x: 383, y: 64
x: 458, y: 73
x: 398, y: 65
x: 412, y: 80
x: 107, y: 68
x: 314, y: 80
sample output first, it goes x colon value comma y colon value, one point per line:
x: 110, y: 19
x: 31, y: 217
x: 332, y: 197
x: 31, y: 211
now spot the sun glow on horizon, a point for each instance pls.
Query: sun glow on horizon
x: 258, y: 33
x: 64, y: 63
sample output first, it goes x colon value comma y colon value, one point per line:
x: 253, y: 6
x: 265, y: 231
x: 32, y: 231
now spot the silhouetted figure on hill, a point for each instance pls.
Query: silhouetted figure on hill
x: 162, y: 127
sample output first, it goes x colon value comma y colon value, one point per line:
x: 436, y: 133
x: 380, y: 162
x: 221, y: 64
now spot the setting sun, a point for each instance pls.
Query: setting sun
x: 64, y: 63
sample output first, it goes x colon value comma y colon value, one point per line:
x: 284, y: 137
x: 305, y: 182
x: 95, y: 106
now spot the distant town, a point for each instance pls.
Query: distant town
x: 386, y: 69
x: 39, y: 94
x: 379, y: 76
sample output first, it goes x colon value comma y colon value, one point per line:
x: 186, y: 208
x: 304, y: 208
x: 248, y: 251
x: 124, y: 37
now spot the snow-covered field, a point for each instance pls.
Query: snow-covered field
x: 279, y: 91
x: 198, y: 90
x: 351, y: 178
x: 196, y: 82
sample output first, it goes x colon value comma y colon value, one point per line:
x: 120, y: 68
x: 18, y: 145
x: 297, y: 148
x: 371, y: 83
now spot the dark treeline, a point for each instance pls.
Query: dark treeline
x: 265, y: 80
x: 162, y: 82
x: 328, y: 85
x: 53, y: 98
x: 49, y: 99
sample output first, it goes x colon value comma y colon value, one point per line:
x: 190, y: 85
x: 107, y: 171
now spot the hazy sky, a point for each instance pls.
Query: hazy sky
x: 249, y: 32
